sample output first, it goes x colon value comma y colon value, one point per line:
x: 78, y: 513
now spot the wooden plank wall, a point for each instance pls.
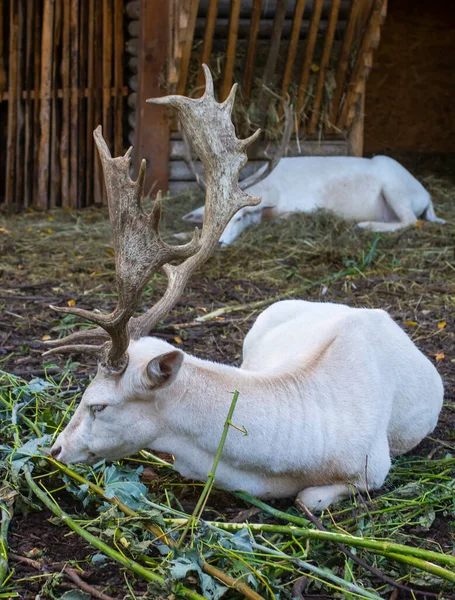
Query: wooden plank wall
x: 61, y: 74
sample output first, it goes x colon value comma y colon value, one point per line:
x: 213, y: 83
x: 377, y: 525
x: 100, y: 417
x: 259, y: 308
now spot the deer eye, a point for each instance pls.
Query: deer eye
x: 96, y: 408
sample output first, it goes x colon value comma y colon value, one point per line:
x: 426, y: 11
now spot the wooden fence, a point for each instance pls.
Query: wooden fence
x: 61, y: 74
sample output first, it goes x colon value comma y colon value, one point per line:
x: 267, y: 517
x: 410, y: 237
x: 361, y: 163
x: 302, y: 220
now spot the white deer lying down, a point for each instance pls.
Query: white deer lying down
x: 377, y: 193
x: 327, y: 393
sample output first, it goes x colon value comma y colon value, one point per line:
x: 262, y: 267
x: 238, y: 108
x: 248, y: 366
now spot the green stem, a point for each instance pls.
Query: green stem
x: 100, y: 492
x: 97, y: 543
x: 279, y: 514
x: 377, y: 546
x: 6, y: 519
x: 211, y: 475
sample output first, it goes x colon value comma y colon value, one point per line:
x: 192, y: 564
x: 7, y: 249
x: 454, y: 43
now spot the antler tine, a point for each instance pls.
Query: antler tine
x: 281, y: 151
x: 208, y: 125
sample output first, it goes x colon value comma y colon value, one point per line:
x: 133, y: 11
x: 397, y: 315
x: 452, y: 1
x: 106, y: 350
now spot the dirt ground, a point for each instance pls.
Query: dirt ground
x: 66, y: 258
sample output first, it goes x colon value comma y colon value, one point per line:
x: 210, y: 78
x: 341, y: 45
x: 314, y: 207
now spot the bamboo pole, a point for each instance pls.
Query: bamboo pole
x: 107, y: 70
x: 118, y: 77
x: 309, y: 52
x: 251, y: 55
x: 234, y: 16
x: 208, y: 40
x: 28, y: 117
x: 343, y: 62
x: 326, y: 52
x: 65, y: 115
x: 74, y: 103
x: 45, y: 103
x: 55, y: 173
x: 374, y: 22
x: 12, y: 106
x: 293, y: 44
x: 192, y: 8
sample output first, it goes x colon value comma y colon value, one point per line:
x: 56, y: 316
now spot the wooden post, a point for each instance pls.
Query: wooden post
x: 249, y: 66
x: 45, y: 104
x: 309, y: 51
x: 12, y: 106
x: 208, y: 40
x: 152, y: 126
x: 234, y: 17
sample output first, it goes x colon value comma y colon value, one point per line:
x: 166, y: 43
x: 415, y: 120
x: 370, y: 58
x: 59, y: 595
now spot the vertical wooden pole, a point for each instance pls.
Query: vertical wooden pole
x: 2, y: 60
x: 230, y: 52
x: 65, y: 118
x: 19, y: 108
x: 270, y: 66
x: 152, y: 126
x: 292, y: 51
x: 45, y: 103
x: 98, y: 185
x: 356, y: 85
x: 107, y: 70
x: 251, y: 55
x: 82, y: 200
x: 74, y: 102
x: 343, y: 61
x: 90, y: 103
x: 328, y: 43
x: 55, y: 173
x: 192, y: 7
x: 118, y: 76
x: 309, y: 52
x: 210, y: 23
x: 38, y: 18
x: 12, y: 106
x: 28, y: 121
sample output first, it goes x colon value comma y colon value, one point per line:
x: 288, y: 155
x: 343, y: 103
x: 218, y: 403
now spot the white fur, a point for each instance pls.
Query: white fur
x: 327, y: 394
x: 378, y: 193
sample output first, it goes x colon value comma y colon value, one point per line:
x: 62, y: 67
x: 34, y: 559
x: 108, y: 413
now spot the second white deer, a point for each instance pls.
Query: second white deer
x: 378, y: 193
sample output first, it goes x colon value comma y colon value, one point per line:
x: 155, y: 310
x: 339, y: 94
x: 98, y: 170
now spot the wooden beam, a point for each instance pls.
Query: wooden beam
x: 231, y: 47
x: 251, y: 55
x: 28, y: 116
x: 90, y: 103
x: 152, y: 126
x: 323, y: 66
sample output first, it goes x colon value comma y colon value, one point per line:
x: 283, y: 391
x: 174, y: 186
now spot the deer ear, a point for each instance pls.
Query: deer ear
x: 163, y: 369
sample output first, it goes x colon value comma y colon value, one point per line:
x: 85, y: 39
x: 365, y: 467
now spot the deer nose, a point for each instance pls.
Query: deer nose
x: 55, y: 451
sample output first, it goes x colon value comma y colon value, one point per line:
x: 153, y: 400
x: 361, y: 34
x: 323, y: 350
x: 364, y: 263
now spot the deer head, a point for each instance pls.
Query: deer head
x: 140, y: 252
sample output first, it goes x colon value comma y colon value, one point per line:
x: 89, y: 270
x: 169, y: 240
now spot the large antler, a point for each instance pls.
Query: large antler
x: 139, y: 250
x: 261, y: 173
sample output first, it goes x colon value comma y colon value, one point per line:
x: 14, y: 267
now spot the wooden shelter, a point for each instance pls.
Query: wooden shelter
x: 68, y: 65
x: 316, y: 52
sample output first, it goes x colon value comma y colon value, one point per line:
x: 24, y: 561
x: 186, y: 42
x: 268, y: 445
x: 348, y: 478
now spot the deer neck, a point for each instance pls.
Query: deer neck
x: 193, y: 419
